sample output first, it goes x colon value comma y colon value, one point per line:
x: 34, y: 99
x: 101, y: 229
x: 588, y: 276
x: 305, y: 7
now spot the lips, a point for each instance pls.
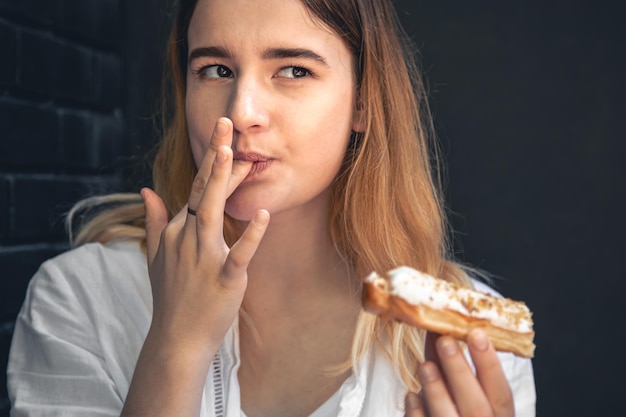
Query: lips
x: 259, y: 162
x: 250, y: 157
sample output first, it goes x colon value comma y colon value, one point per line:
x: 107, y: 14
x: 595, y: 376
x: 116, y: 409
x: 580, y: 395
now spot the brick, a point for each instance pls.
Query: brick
x: 5, y: 407
x: 38, y: 62
x: 5, y: 205
x: 18, y: 266
x: 91, y: 142
x: 30, y: 136
x: 107, y: 80
x: 43, y: 11
x: 110, y: 22
x: 109, y: 133
x: 40, y: 204
x: 8, y: 42
x: 54, y: 68
x: 6, y: 333
x: 74, y: 74
x: 98, y: 20
x: 76, y: 130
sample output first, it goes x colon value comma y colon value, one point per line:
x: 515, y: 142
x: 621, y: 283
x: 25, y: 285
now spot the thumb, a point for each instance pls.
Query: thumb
x: 156, y: 220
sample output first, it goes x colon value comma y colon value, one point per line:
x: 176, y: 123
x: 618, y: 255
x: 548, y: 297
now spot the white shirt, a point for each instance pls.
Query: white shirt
x: 83, y: 323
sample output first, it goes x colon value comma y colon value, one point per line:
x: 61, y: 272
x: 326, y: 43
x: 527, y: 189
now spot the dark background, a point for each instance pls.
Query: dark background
x: 529, y: 103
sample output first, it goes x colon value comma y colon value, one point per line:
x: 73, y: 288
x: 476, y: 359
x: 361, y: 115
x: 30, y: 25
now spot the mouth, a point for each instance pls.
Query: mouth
x: 250, y: 157
x: 259, y: 162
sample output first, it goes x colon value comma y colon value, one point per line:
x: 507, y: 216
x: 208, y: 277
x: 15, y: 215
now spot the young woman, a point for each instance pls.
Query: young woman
x: 296, y: 160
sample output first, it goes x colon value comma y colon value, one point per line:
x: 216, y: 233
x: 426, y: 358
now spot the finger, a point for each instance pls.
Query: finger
x: 156, y: 220
x: 210, y: 211
x: 490, y: 374
x: 435, y: 393
x: 221, y: 134
x: 413, y: 406
x: 244, y: 249
x: 239, y: 172
x: 462, y: 383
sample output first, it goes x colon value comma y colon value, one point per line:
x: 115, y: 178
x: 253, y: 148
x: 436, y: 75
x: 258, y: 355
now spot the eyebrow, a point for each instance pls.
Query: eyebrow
x: 273, y: 53
x: 209, y: 51
x: 281, y: 53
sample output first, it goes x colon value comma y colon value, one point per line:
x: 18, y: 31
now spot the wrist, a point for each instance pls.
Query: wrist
x: 179, y: 351
x: 169, y: 378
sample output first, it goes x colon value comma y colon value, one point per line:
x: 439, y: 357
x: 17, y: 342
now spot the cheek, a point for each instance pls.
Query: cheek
x: 332, y: 126
x: 199, y: 125
x: 325, y: 149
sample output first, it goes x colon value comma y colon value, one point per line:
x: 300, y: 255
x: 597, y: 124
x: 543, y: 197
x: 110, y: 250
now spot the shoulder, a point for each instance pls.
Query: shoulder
x: 95, y: 261
x: 90, y: 255
x: 95, y: 297
x: 93, y: 275
x: 80, y: 329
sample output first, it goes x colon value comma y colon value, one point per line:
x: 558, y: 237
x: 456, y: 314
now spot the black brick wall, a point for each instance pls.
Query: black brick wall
x: 63, y: 131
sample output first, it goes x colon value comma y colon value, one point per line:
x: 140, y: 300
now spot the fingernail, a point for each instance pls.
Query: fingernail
x: 412, y: 401
x: 221, y: 128
x: 478, y: 340
x: 448, y: 346
x: 428, y: 372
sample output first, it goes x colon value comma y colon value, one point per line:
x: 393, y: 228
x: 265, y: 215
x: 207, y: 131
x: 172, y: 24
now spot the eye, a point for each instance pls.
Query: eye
x: 293, y: 72
x: 215, y: 71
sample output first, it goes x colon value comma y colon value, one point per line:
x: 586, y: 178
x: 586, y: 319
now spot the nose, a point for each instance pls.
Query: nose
x: 248, y: 106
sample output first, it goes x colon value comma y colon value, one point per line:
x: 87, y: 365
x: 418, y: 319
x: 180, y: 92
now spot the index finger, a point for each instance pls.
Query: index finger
x: 490, y: 374
x: 219, y: 138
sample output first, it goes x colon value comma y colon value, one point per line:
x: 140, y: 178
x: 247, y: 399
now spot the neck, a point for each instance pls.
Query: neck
x: 296, y: 275
x: 296, y: 266
x: 300, y: 313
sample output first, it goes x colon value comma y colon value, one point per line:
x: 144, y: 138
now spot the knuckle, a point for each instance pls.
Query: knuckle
x: 457, y: 368
x: 169, y: 234
x: 503, y: 402
x: 482, y: 410
x: 198, y: 185
x: 237, y: 261
x: 218, y: 171
x: 203, y: 218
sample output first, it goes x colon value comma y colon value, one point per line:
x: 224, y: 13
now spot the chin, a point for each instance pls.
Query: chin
x: 241, y: 211
x: 245, y: 202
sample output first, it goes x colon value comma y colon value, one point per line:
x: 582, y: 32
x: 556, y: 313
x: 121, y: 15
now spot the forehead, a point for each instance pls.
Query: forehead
x: 256, y: 23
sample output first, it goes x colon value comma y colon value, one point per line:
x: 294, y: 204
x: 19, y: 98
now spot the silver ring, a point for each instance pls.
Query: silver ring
x: 190, y: 211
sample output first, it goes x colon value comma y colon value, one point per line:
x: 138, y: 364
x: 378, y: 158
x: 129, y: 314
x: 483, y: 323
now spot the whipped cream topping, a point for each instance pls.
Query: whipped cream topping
x: 418, y: 288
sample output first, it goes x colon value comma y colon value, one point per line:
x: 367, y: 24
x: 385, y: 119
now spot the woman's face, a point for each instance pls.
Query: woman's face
x: 288, y: 85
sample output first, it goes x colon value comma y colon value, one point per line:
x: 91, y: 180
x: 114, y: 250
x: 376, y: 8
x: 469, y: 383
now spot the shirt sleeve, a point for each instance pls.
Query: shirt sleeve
x: 56, y: 367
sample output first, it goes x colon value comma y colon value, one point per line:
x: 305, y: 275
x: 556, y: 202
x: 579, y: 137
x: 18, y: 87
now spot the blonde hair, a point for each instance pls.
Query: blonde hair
x: 387, y: 207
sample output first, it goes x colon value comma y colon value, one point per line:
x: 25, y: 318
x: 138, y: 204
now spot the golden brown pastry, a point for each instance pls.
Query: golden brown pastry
x: 421, y: 300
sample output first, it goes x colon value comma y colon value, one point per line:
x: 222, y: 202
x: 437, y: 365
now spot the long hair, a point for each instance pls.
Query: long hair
x: 387, y: 203
x: 387, y: 208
